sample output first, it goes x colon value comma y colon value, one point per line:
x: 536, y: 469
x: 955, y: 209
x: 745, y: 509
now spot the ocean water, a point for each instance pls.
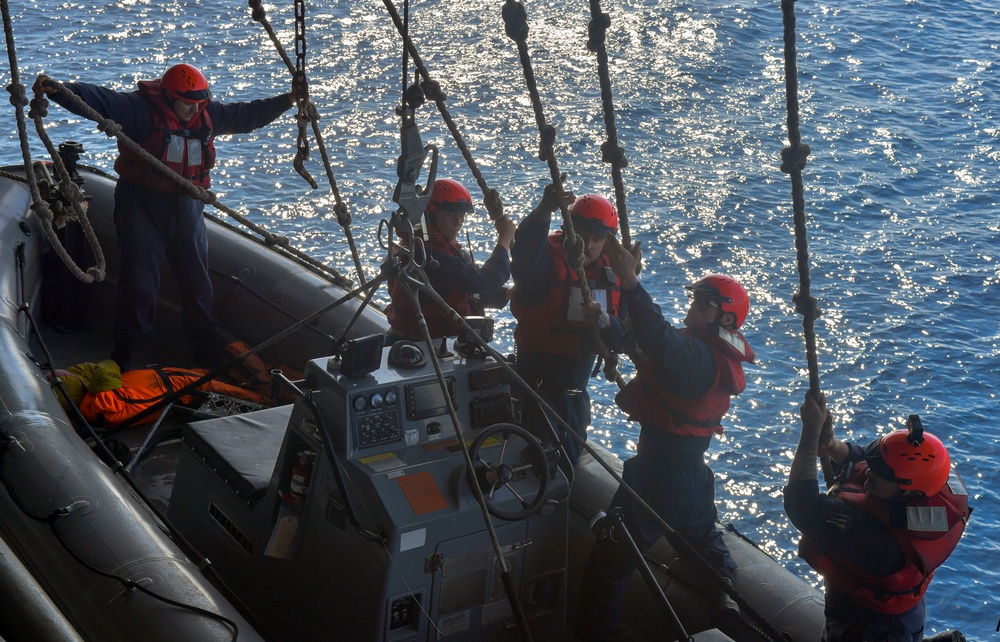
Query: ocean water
x: 899, y: 103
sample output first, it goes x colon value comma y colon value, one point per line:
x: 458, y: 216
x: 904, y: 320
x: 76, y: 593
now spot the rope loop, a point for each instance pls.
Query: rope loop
x: 597, y: 28
x: 793, y: 158
x: 546, y: 142
x: 613, y: 154
x: 515, y: 19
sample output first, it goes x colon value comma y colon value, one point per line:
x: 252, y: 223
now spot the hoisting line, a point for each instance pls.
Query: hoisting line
x: 516, y: 26
x: 793, y: 161
x: 307, y: 113
x: 432, y: 90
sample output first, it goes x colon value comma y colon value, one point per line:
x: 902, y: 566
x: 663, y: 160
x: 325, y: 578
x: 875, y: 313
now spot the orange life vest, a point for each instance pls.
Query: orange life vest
x: 926, y: 528
x: 141, y: 389
x: 649, y: 402
x: 188, y: 150
x: 545, y: 327
x: 402, y: 315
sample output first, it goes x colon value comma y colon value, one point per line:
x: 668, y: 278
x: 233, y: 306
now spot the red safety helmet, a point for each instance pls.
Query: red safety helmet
x: 912, y: 458
x: 451, y: 196
x: 594, y: 213
x: 724, y: 290
x: 186, y: 83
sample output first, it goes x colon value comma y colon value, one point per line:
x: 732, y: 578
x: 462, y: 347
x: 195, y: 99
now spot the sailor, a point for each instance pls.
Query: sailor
x: 680, y: 395
x: 451, y: 272
x: 555, y: 336
x: 175, y: 119
x: 894, y: 514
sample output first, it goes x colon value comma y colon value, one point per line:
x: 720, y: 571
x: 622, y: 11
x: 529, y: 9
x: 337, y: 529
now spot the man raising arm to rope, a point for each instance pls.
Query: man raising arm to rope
x: 680, y: 394
x: 175, y: 119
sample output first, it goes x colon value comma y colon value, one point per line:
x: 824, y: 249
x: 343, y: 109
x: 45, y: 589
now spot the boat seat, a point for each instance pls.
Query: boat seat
x: 222, y: 445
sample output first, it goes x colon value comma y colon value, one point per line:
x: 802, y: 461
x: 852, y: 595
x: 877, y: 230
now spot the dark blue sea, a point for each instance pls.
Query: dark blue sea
x: 900, y: 103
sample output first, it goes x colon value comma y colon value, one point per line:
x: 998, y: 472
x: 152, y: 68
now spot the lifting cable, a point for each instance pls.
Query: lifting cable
x: 67, y: 190
x: 307, y: 113
x: 516, y: 26
x: 611, y: 151
x: 793, y: 161
x: 432, y: 90
x: 412, y: 204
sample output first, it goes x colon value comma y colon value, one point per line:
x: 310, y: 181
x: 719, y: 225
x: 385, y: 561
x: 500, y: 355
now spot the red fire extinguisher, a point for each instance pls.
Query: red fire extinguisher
x: 301, y: 475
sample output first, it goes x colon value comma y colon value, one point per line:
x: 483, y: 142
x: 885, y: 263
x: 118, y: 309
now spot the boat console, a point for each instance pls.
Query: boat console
x: 350, y: 514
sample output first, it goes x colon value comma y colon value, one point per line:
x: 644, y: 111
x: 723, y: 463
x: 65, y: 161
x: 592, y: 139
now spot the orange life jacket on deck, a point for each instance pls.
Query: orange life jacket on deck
x: 141, y: 389
x: 926, y: 528
x: 188, y: 150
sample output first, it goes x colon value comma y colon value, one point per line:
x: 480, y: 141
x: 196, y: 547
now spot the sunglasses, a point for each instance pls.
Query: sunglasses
x: 453, y: 207
x: 702, y: 300
x: 194, y: 95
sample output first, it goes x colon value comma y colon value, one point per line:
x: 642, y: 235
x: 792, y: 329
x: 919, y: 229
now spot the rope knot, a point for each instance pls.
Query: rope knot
x: 597, y: 28
x: 205, y: 196
x: 432, y: 89
x: 493, y: 203
x: 547, y: 134
x: 794, y: 158
x: 613, y: 154
x: 42, y: 211
x: 110, y: 128
x: 415, y: 96
x: 257, y: 11
x: 515, y: 20
x: 96, y: 273
x: 72, y: 192
x: 343, y: 216
x: 18, y: 96
x: 272, y: 240
x: 573, y: 245
x: 806, y: 305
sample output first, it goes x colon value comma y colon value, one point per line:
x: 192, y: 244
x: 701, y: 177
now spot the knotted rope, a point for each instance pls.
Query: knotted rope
x: 793, y: 161
x: 516, y: 26
x: 611, y: 151
x: 307, y: 113
x: 113, y: 129
x: 67, y: 188
x: 432, y: 90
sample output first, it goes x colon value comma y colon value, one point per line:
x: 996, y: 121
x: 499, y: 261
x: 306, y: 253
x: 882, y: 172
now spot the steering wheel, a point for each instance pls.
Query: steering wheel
x: 504, y: 463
